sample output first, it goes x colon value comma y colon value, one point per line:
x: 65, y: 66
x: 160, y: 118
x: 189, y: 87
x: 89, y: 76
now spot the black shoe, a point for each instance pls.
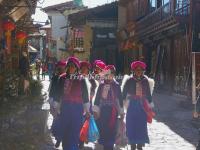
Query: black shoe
x: 139, y: 146
x: 81, y: 145
x: 133, y: 147
x: 57, y: 144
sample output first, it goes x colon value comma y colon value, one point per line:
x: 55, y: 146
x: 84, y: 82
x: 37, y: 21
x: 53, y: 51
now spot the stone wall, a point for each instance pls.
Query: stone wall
x: 22, y: 123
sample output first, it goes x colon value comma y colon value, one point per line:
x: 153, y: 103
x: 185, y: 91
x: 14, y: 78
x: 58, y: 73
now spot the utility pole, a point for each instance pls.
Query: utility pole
x: 195, y: 46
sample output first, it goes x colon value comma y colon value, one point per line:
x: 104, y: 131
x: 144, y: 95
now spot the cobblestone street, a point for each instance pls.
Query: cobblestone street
x: 171, y: 129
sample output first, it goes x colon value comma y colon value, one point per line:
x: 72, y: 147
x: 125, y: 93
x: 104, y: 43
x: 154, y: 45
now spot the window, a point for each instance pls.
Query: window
x: 78, y: 38
x: 165, y: 2
x: 78, y: 42
x: 153, y: 3
x: 181, y: 3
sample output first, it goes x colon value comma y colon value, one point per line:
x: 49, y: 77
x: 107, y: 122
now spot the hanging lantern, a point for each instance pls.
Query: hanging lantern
x: 21, y: 36
x: 8, y: 26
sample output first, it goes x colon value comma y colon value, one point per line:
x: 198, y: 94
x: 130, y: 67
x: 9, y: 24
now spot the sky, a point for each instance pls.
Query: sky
x: 42, y: 17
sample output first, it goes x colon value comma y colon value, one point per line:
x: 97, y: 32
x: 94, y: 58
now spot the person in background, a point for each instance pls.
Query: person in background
x: 84, y: 71
x: 96, y: 78
x: 99, y: 67
x: 44, y: 70
x: 38, y: 66
x: 54, y: 101
x: 50, y: 68
x: 85, y: 68
x: 108, y: 104
x: 24, y: 71
x: 137, y: 92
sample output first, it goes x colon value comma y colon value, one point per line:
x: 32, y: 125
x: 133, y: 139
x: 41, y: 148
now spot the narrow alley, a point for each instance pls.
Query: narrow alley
x: 171, y: 128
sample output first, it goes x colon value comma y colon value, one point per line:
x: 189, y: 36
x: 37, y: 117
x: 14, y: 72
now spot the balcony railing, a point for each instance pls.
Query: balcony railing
x: 161, y: 14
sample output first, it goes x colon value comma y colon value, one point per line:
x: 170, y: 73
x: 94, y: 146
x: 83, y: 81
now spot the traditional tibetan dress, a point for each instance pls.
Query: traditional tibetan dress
x: 109, y: 102
x: 74, y: 96
x: 53, y: 97
x: 137, y: 91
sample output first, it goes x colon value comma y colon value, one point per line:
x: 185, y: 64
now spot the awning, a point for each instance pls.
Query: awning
x: 18, y: 12
x: 31, y: 49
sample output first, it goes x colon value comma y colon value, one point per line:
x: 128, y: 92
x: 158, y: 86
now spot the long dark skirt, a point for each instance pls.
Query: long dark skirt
x: 136, y: 123
x: 71, y: 123
x: 56, y: 128
x: 106, y: 130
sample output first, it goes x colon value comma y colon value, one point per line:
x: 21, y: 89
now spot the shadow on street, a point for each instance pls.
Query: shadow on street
x: 178, y: 119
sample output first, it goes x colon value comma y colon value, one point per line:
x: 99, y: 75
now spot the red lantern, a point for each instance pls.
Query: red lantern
x: 21, y: 36
x: 8, y: 26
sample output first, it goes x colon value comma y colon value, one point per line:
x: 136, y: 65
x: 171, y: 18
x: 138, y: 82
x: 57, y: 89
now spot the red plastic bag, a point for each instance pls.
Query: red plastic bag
x: 84, y: 131
x: 150, y: 113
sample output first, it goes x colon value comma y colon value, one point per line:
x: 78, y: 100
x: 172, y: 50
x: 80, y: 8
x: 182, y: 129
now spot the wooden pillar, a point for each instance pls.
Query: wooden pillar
x: 171, y: 65
x: 193, y: 79
x: 192, y: 54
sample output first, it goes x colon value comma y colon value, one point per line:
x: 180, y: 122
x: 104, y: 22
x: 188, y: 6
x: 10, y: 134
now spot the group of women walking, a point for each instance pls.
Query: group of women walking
x: 79, y: 90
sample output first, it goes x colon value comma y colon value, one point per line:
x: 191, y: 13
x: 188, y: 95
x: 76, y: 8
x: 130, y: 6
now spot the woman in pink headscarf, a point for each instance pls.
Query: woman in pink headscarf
x: 74, y: 96
x: 108, y: 104
x: 138, y: 93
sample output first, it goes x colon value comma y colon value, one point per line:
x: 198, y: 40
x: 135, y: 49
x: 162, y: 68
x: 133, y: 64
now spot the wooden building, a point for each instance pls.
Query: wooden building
x: 159, y: 31
x: 99, y: 26
x: 19, y: 13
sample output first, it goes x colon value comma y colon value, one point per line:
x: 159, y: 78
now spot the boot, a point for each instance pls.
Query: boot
x: 139, y: 146
x: 57, y: 144
x: 133, y: 147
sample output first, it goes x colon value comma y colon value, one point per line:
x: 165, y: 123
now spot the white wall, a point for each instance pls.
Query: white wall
x: 58, y: 34
x: 58, y: 21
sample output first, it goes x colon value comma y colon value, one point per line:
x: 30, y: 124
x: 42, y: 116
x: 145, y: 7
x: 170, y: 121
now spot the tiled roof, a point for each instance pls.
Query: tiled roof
x: 61, y: 6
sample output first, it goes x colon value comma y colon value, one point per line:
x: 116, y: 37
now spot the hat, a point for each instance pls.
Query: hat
x: 61, y: 63
x: 136, y: 64
x: 74, y: 60
x: 111, y: 68
x: 100, y: 64
x: 96, y: 61
x: 85, y: 63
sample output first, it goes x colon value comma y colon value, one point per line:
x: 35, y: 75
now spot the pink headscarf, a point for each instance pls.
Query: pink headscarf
x: 110, y: 68
x: 136, y: 64
x: 100, y: 64
x: 74, y: 60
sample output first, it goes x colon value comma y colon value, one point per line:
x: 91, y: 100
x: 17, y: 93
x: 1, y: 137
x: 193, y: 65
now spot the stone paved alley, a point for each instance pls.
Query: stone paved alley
x: 171, y: 129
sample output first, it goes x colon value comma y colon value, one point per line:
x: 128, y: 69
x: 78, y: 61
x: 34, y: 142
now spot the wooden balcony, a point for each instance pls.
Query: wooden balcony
x: 161, y: 20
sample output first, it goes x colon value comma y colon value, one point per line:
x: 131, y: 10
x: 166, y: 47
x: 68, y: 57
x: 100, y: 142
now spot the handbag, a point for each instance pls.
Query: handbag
x: 84, y: 131
x: 93, y: 133
x: 121, y: 138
